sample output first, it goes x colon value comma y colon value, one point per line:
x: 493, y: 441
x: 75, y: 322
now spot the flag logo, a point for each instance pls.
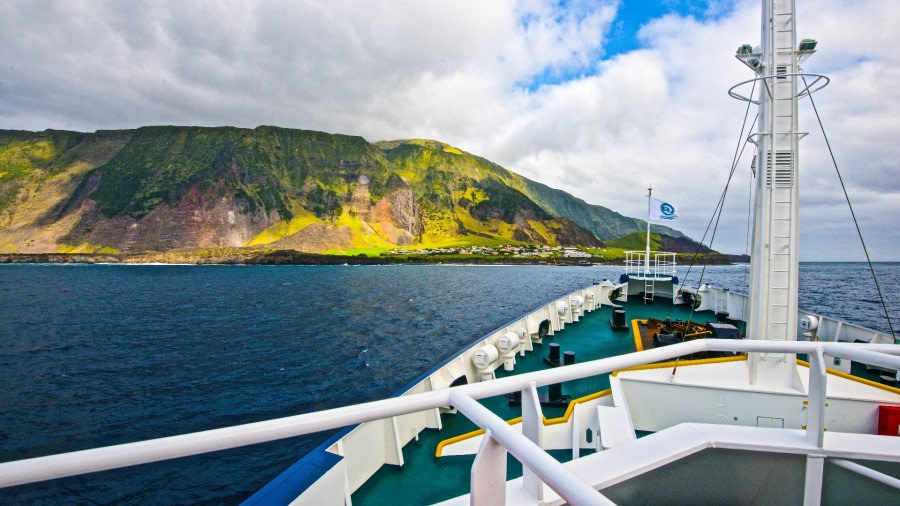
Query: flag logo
x: 663, y: 211
x: 667, y: 209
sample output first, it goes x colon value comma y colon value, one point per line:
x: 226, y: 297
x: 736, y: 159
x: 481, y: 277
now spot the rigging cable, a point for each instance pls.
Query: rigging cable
x: 744, y: 281
x: 852, y: 214
x: 717, y: 215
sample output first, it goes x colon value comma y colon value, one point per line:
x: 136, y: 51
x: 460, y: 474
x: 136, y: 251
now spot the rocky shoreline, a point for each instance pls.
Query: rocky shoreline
x: 240, y: 256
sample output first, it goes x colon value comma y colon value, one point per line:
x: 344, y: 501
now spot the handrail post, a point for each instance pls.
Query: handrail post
x: 571, y: 488
x: 815, y: 417
x: 488, y: 479
x: 532, y: 425
x: 812, y: 486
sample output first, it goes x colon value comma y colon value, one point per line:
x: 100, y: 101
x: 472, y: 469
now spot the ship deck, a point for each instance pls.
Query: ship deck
x: 446, y: 477
x: 427, y: 479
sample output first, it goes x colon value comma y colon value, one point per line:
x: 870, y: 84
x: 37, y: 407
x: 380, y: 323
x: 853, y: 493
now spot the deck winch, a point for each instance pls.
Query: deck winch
x: 554, y: 396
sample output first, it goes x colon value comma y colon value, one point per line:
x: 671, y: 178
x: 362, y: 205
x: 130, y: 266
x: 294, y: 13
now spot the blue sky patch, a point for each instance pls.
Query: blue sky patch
x: 623, y: 33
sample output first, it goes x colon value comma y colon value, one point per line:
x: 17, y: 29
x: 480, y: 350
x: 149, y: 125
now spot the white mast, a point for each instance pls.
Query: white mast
x: 647, y: 256
x: 774, y: 263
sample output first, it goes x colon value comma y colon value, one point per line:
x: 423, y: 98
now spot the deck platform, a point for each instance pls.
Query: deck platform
x: 590, y: 338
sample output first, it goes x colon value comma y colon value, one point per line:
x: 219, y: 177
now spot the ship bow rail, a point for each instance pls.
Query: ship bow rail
x: 564, y: 482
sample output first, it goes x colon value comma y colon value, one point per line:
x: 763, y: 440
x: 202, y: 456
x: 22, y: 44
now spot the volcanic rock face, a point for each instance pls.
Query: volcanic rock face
x: 397, y: 217
x: 203, y: 220
x: 166, y: 188
x: 317, y: 238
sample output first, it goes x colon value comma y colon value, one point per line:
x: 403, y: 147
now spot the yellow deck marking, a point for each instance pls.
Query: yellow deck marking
x: 514, y: 421
x: 680, y: 363
x: 659, y: 365
x: 636, y: 331
x: 851, y: 377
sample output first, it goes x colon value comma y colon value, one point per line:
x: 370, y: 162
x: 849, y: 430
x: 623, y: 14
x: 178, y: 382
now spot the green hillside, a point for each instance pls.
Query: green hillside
x: 658, y: 242
x: 604, y: 223
x: 161, y: 188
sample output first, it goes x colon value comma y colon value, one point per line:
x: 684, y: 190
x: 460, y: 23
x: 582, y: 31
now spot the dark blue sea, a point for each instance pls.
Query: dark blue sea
x: 94, y: 355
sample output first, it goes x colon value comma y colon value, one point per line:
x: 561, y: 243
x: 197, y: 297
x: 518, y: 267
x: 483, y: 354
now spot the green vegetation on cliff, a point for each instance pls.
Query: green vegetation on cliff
x: 26, y: 158
x: 658, y: 242
x: 161, y: 188
x: 266, y: 166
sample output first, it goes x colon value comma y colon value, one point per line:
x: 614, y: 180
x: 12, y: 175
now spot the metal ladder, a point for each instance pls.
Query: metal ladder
x: 649, y: 290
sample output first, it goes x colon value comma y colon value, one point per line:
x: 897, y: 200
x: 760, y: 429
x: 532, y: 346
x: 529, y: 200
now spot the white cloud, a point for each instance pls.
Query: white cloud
x: 470, y: 73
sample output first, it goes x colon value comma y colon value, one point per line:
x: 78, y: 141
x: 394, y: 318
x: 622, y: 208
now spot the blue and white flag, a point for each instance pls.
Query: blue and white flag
x: 662, y: 211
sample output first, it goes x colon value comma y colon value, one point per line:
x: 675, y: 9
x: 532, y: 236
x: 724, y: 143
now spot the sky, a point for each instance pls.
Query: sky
x: 598, y: 98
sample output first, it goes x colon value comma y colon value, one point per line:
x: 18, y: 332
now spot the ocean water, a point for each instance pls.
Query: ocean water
x: 96, y: 355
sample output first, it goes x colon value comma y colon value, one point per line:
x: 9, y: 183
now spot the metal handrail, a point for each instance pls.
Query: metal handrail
x: 570, y: 487
x: 868, y: 473
x: 662, y: 263
x: 154, y: 450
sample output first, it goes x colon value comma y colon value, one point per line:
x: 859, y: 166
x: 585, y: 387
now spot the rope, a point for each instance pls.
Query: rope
x: 852, y: 214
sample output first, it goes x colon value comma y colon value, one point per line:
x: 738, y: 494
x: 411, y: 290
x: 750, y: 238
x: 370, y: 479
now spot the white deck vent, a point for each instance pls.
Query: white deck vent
x: 781, y: 71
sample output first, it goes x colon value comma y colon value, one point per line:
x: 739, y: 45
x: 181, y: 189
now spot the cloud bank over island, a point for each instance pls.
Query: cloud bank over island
x: 548, y: 90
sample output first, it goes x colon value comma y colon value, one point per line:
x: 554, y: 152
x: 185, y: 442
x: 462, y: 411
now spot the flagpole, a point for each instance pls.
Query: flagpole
x: 647, y: 256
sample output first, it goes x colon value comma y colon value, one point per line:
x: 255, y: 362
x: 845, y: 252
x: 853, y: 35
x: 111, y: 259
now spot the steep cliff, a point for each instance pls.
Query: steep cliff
x: 163, y: 188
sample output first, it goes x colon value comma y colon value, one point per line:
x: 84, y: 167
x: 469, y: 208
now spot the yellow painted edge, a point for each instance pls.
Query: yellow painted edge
x: 547, y: 421
x: 571, y: 408
x: 455, y: 439
x: 467, y: 435
x: 857, y: 379
x: 636, y: 332
x: 680, y: 363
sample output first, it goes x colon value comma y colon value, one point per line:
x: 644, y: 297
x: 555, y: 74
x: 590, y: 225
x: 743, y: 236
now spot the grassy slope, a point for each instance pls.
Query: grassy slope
x: 606, y: 224
x: 308, y: 177
x: 268, y: 166
x: 636, y: 241
x: 40, y: 175
x: 27, y: 159
x: 602, y: 222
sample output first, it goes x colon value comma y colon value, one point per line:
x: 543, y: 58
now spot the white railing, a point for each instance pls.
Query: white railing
x: 662, y: 264
x: 828, y: 329
x: 546, y: 469
x: 868, y: 473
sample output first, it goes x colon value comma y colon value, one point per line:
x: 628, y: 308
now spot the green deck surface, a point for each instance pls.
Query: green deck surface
x: 425, y: 479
